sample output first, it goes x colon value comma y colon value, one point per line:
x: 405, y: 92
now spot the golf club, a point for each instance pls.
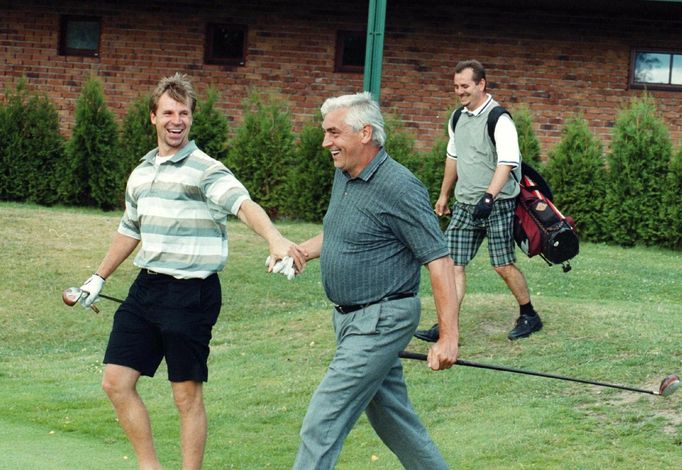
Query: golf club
x: 667, y: 387
x: 72, y: 295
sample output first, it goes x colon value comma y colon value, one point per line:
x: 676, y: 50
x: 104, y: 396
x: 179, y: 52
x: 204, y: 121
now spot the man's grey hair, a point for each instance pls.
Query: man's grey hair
x: 362, y: 110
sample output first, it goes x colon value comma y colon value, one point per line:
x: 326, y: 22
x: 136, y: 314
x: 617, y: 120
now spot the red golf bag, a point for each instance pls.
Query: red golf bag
x: 540, y: 228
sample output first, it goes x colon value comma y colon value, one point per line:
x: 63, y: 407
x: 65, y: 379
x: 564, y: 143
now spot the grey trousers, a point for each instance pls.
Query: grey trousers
x: 366, y: 375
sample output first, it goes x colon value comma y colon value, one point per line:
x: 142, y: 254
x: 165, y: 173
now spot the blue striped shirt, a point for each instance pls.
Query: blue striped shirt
x: 178, y: 210
x: 378, y: 231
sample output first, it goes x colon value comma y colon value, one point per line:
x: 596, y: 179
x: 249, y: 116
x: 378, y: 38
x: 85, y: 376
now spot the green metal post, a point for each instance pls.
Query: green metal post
x: 376, y: 22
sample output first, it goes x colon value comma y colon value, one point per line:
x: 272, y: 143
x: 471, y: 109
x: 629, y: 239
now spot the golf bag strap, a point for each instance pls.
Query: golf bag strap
x: 493, y: 117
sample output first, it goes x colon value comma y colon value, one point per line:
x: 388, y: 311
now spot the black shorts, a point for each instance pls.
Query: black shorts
x: 166, y: 317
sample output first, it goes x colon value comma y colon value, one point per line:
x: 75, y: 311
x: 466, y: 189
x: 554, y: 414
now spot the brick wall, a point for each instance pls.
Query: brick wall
x: 557, y: 62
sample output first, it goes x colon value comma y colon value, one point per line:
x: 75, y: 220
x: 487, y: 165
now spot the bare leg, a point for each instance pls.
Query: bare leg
x: 119, y: 383
x: 516, y: 282
x: 189, y: 400
x: 460, y: 284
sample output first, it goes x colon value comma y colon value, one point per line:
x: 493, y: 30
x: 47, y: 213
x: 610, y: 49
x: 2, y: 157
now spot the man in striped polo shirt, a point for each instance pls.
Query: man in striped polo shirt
x: 176, y: 206
x: 379, y: 230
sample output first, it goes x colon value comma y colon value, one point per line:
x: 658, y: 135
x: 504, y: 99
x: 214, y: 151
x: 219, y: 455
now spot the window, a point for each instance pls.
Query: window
x: 80, y: 35
x: 350, y: 51
x: 656, y: 70
x: 225, y: 44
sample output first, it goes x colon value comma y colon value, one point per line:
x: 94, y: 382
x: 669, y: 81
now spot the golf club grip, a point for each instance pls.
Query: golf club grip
x: 412, y: 355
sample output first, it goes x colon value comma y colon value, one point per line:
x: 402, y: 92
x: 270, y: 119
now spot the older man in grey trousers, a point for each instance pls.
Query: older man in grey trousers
x: 378, y: 232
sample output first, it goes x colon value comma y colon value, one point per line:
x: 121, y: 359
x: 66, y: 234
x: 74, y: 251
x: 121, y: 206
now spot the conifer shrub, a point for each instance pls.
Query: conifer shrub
x: 32, y: 148
x: 637, y: 167
x: 400, y: 144
x: 210, y: 126
x: 138, y: 134
x: 262, y: 151
x: 310, y: 180
x: 672, y: 207
x: 93, y: 174
x: 577, y: 175
x: 528, y: 140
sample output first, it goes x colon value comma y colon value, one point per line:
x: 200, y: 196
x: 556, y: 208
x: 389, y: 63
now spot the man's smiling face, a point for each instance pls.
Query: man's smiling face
x: 173, y: 121
x: 345, y: 144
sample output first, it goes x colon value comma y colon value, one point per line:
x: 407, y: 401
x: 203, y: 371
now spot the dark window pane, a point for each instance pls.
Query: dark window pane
x: 82, y: 35
x: 354, y: 50
x: 225, y: 44
x: 350, y: 51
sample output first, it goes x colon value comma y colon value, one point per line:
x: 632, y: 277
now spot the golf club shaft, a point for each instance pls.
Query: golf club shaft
x: 460, y: 362
x: 111, y: 298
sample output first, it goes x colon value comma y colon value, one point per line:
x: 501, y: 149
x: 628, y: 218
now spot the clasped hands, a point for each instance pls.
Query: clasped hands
x: 290, y: 264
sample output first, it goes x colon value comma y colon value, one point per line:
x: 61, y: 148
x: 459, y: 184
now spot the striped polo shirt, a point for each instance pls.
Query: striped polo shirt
x: 378, y: 231
x: 178, y: 210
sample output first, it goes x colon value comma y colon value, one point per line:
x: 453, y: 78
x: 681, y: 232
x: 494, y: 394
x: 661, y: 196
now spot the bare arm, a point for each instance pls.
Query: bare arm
x: 257, y: 220
x: 120, y: 248
x: 443, y: 354
x: 500, y: 178
x: 311, y: 248
x: 449, y: 179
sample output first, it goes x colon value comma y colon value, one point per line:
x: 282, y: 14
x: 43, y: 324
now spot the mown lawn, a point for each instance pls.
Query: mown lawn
x: 616, y: 317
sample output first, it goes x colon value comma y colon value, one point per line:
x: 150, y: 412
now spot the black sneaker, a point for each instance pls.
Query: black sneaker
x: 430, y: 335
x: 525, y: 326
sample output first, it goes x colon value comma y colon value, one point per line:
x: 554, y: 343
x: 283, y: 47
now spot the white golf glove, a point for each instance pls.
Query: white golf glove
x: 284, y: 266
x: 91, y: 289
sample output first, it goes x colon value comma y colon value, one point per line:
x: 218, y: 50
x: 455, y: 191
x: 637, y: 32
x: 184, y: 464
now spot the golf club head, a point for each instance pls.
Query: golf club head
x: 669, y: 385
x: 71, y: 296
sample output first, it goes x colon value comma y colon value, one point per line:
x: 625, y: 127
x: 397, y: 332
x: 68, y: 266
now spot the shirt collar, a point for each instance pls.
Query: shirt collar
x: 181, y: 154
x: 371, y: 168
x: 480, y: 109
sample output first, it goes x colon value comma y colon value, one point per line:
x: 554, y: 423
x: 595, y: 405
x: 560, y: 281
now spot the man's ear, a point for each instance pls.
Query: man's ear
x: 367, y: 132
x: 152, y: 117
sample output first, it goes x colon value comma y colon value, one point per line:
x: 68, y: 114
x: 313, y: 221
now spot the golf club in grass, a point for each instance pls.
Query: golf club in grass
x: 72, y: 295
x: 667, y: 387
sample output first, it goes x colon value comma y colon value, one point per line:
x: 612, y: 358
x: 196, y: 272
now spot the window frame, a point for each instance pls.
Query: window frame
x: 64, y: 23
x: 210, y: 58
x: 339, y: 66
x: 653, y: 86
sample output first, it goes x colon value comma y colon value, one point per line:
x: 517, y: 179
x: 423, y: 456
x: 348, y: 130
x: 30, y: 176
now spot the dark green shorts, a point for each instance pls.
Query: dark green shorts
x: 465, y: 234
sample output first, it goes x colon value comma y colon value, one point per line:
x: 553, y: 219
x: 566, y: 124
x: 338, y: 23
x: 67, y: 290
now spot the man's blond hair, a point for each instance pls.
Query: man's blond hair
x: 179, y: 87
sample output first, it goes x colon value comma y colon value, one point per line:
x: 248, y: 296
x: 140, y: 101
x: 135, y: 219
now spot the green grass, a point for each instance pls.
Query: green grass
x: 615, y: 318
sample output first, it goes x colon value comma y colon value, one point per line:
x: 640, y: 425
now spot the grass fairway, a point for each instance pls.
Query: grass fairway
x: 617, y: 317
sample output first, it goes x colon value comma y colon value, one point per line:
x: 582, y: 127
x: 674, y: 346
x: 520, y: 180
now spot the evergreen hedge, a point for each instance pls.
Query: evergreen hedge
x: 634, y: 200
x: 637, y: 167
x: 262, y: 151
x: 138, y: 134
x: 672, y: 205
x: 93, y: 172
x: 577, y: 175
x: 31, y: 149
x: 528, y: 140
x: 310, y: 180
x: 210, y: 127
